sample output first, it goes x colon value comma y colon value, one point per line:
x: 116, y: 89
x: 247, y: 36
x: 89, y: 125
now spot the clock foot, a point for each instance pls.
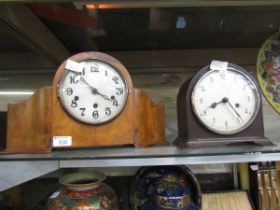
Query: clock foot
x: 262, y: 141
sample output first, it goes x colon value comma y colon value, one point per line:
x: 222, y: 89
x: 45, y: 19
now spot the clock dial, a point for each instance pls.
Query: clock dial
x: 225, y: 102
x: 96, y: 94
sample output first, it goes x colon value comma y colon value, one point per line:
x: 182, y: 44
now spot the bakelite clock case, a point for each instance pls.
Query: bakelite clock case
x: 32, y: 124
x: 192, y: 133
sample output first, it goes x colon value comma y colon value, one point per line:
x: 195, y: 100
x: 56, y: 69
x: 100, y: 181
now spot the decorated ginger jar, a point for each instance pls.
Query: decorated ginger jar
x: 170, y: 196
x: 83, y: 191
x: 147, y: 182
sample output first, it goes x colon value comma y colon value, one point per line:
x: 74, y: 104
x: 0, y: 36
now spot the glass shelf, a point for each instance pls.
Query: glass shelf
x: 19, y: 168
x: 131, y: 155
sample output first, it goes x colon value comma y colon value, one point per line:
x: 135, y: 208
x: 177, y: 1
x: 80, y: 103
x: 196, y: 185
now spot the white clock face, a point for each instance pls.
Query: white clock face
x: 95, y: 95
x: 225, y: 102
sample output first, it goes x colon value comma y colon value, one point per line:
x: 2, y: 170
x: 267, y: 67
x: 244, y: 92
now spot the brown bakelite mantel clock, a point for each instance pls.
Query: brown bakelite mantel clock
x: 91, y: 103
x: 220, y: 104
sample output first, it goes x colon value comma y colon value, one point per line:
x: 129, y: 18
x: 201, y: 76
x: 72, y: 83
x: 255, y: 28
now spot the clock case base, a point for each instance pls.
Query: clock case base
x: 214, y: 142
x: 192, y: 133
x: 30, y: 126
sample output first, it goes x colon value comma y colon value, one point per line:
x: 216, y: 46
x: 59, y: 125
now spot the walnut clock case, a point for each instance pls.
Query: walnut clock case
x: 221, y: 104
x: 91, y: 103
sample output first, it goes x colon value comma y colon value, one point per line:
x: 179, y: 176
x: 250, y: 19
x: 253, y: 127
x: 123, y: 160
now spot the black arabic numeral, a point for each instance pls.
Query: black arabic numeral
x: 115, y: 79
x: 238, y: 120
x: 119, y: 91
x: 213, y: 121
x: 226, y: 124
x: 108, y: 111
x: 69, y: 91
x: 94, y: 68
x: 74, y: 103
x: 115, y: 103
x: 248, y: 99
x: 95, y: 114
x: 204, y: 112
x: 73, y: 79
x: 83, y: 111
x: 84, y: 72
x: 202, y: 89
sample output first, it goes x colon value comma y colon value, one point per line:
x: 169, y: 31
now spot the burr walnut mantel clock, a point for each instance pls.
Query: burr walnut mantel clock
x: 91, y: 103
x: 220, y: 104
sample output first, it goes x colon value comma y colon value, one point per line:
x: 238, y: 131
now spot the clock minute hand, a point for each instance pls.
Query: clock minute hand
x: 234, y: 109
x: 95, y: 90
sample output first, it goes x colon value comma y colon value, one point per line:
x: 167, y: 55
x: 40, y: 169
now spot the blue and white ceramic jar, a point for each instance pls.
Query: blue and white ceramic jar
x: 170, y: 196
x: 147, y: 187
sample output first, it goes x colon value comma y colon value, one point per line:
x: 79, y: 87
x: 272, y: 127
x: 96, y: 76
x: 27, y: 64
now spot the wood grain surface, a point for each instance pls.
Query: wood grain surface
x: 130, y: 127
x: 33, y: 123
x: 149, y: 120
x: 28, y: 124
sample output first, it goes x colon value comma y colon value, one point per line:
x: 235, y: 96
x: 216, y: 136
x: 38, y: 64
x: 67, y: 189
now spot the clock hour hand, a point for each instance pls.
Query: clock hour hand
x: 226, y: 100
x: 214, y: 104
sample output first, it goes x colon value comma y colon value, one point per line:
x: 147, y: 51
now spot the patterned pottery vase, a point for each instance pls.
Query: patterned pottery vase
x: 147, y: 182
x: 170, y: 196
x: 83, y: 191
